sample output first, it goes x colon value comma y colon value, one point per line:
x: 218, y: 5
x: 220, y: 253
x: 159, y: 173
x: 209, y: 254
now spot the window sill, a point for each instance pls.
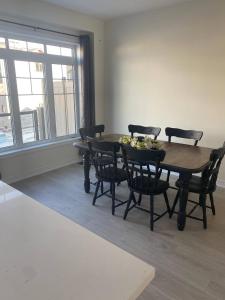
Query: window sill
x: 34, y: 148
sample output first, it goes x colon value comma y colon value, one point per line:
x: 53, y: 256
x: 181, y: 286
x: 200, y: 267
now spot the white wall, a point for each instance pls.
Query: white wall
x: 35, y: 162
x: 167, y: 68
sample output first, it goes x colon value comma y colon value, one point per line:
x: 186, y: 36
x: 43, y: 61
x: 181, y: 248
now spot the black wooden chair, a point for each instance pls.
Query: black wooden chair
x: 184, y: 134
x: 87, y: 133
x: 92, y: 132
x: 142, y: 183
x: 107, y: 173
x: 204, y: 185
x: 152, y: 131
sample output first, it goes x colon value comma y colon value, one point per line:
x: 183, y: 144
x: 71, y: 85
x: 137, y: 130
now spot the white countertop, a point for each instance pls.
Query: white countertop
x: 45, y: 256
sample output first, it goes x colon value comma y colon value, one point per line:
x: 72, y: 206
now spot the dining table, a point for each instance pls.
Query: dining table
x: 183, y: 159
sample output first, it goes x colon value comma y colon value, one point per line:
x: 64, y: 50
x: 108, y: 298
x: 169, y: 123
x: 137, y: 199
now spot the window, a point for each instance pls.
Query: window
x: 31, y: 95
x: 39, y: 92
x: 64, y: 94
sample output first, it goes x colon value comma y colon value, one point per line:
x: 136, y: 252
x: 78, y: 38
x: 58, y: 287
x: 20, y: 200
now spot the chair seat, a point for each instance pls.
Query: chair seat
x: 195, y: 185
x: 108, y: 174
x: 145, y: 185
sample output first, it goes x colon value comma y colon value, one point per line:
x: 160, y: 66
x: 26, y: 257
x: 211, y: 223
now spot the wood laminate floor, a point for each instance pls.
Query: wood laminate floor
x: 189, y: 264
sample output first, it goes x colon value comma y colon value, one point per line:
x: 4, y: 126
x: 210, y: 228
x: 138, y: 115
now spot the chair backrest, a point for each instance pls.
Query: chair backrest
x: 100, y: 148
x: 210, y: 175
x: 137, y: 159
x: 155, y: 131
x: 185, y: 134
x: 91, y: 131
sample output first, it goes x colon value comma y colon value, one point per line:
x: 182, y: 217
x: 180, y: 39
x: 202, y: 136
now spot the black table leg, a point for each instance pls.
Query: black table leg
x: 86, y: 162
x: 183, y: 198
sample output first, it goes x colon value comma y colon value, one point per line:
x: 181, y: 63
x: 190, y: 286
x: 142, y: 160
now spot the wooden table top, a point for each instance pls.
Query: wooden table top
x: 179, y: 157
x: 44, y: 255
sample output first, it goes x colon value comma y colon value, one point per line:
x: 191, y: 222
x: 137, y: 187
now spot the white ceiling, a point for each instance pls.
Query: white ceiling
x: 108, y: 9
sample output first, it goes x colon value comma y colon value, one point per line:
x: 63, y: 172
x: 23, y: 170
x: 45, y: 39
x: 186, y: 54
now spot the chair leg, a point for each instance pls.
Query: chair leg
x: 167, y: 202
x: 128, y: 205
x: 212, y: 203
x: 174, y: 204
x: 139, y: 199
x: 200, y: 200
x: 123, y: 167
x: 203, y: 204
x: 168, y: 176
x: 113, y: 197
x: 151, y: 212
x: 96, y: 192
x: 102, y: 187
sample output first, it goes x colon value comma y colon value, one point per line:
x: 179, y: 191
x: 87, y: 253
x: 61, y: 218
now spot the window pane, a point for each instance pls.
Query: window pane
x: 6, y: 136
x: 53, y: 50
x: 27, y: 124
x: 4, y: 104
x: 63, y: 86
x: 3, y: 87
x: 22, y: 69
x: 60, y: 115
x: 71, y: 113
x: 2, y: 42
x: 17, y: 45
x: 57, y: 71
x: 67, y: 72
x: 35, y: 47
x: 31, y: 102
x: 23, y: 86
x: 58, y: 87
x: 64, y: 99
x: 27, y: 69
x: 36, y: 70
x: 37, y: 86
x: 66, y: 52
x: 64, y: 114
x: 33, y: 118
x: 2, y: 68
x: 68, y: 86
x: 32, y: 95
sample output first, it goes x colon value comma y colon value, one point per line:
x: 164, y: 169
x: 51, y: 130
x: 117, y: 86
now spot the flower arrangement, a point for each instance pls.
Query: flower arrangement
x: 126, y: 140
x: 140, y: 143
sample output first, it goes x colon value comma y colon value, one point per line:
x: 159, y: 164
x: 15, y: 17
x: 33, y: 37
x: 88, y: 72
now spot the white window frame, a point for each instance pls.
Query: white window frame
x: 9, y: 56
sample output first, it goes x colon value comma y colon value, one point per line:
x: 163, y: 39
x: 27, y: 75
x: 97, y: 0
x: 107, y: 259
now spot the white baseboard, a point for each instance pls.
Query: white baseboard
x: 39, y: 171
